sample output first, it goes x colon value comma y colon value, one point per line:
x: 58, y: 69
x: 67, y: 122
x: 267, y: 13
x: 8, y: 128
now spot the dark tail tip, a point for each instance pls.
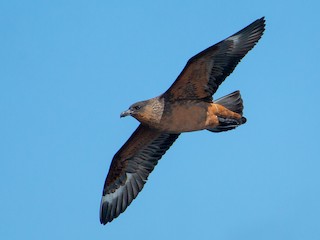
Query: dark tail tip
x: 243, y: 120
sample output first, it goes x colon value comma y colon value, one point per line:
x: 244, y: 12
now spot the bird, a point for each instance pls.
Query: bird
x: 186, y: 106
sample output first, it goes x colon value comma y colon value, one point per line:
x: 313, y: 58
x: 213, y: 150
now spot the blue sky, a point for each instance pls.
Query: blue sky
x: 67, y: 70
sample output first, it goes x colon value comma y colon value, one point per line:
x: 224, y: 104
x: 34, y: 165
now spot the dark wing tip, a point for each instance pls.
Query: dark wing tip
x: 258, y: 24
x: 103, y: 213
x: 115, y: 202
x: 248, y: 37
x: 106, y: 213
x: 259, y: 27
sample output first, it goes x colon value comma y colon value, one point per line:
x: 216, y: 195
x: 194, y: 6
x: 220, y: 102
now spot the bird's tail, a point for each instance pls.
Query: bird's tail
x: 232, y: 102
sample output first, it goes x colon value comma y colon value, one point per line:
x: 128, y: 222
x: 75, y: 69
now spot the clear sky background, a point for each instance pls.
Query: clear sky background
x: 67, y: 70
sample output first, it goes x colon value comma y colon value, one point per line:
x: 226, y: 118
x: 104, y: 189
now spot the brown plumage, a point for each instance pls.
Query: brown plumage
x: 186, y: 106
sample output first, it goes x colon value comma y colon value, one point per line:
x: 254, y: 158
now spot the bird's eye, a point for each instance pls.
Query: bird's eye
x: 137, y: 107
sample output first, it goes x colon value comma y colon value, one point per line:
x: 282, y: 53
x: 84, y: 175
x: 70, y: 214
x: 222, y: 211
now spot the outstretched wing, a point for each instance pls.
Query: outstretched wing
x: 130, y: 168
x: 204, y: 72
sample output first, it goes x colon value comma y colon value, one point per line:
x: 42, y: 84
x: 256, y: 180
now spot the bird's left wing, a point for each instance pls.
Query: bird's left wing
x: 130, y: 168
x: 205, y: 71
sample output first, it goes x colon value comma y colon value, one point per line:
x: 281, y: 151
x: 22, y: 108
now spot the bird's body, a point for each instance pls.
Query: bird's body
x: 186, y: 106
x: 183, y: 115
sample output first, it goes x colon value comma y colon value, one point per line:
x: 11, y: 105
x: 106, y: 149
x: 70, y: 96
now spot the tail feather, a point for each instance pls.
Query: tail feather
x: 234, y: 103
x: 227, y: 124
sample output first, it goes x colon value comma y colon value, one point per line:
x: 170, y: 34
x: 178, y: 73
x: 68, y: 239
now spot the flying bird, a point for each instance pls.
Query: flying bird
x: 186, y: 106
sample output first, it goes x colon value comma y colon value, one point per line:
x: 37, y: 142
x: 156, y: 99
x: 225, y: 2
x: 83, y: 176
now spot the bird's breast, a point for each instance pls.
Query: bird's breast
x: 183, y: 116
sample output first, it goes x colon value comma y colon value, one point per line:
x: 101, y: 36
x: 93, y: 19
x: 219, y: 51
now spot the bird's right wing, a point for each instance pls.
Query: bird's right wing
x: 130, y: 168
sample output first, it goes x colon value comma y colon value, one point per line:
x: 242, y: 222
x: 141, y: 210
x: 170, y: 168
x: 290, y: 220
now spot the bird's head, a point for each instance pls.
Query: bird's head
x: 135, y: 110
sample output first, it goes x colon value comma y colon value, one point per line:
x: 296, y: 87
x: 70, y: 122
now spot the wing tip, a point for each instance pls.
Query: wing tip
x: 260, y: 24
x: 104, y: 213
x: 115, y: 203
x: 245, y: 39
x: 256, y: 28
x: 108, y: 212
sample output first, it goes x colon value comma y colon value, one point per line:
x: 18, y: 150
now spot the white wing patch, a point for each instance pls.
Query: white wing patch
x: 110, y: 197
x: 235, y: 39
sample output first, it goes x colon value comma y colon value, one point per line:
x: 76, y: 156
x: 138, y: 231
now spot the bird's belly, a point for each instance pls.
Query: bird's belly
x: 184, y: 118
